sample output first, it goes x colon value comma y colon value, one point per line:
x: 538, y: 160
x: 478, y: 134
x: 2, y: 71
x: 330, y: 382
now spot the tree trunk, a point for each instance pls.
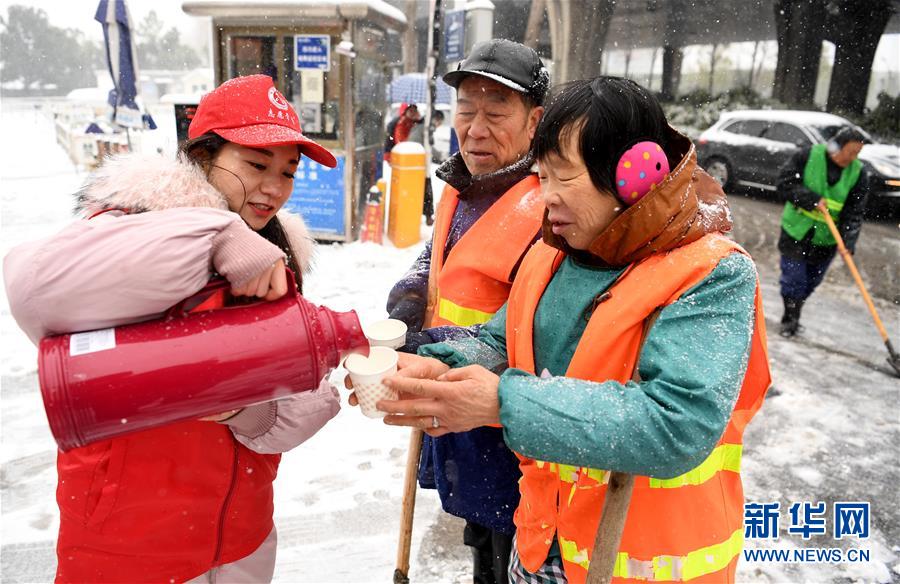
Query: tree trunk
x: 533, y: 28
x: 762, y: 60
x: 752, y: 65
x: 671, y: 73
x: 800, y: 32
x: 856, y: 31
x: 676, y: 17
x: 783, y: 32
x: 410, y: 40
x: 652, y: 66
x: 712, y: 68
x: 588, y: 25
x: 555, y: 25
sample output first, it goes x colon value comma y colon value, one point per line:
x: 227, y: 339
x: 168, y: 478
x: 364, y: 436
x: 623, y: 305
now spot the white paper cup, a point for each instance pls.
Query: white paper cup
x: 387, y: 333
x: 366, y: 374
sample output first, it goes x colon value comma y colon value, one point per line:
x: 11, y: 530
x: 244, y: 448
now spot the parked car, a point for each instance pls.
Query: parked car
x: 747, y: 148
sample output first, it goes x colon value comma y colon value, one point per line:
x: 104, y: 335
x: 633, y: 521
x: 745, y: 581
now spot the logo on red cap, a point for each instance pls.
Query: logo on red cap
x: 277, y: 99
x: 237, y: 111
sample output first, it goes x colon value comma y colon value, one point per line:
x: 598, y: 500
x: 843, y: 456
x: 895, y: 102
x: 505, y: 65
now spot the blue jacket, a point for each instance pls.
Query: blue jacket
x: 475, y: 474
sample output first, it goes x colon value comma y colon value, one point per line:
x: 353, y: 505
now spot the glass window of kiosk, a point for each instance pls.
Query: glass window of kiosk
x: 370, y: 82
x: 315, y: 95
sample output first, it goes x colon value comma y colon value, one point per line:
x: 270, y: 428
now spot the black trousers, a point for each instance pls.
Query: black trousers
x: 800, y: 277
x: 490, y: 553
x: 428, y: 200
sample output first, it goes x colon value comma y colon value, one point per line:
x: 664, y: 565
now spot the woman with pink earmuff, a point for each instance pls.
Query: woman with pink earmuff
x: 633, y: 341
x: 191, y: 501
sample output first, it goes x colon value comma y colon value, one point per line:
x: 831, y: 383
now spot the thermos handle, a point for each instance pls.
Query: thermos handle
x: 213, y: 286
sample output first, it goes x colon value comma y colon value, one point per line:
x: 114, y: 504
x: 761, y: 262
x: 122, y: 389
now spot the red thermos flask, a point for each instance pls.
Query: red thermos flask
x: 102, y: 384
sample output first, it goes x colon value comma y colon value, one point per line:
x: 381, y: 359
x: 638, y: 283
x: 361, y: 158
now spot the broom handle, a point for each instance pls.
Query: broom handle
x: 409, y: 501
x: 612, y: 524
x: 616, y: 501
x: 848, y: 259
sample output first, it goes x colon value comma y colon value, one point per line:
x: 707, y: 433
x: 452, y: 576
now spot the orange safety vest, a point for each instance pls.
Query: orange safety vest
x: 475, y: 280
x: 687, y: 528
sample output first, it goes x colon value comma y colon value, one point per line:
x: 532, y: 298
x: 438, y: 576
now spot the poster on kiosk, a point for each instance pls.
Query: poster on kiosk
x: 318, y: 193
x: 318, y: 196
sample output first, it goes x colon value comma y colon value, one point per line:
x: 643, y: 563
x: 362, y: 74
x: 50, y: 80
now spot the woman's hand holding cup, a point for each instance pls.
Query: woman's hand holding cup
x: 408, y: 366
x: 457, y: 400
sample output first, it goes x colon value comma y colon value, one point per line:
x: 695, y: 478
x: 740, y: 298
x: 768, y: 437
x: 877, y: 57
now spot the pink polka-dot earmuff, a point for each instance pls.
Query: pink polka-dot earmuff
x: 639, y: 170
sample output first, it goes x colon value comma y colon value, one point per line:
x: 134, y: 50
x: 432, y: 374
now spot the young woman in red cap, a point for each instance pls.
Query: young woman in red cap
x: 191, y: 501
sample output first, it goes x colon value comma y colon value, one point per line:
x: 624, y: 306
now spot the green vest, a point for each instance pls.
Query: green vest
x: 797, y: 221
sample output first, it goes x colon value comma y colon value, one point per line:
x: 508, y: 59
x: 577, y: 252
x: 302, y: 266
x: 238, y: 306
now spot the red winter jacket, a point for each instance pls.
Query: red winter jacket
x: 398, y: 130
x: 162, y: 505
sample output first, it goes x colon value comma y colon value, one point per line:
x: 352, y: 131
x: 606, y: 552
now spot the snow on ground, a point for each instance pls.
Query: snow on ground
x: 337, y: 496
x: 830, y: 431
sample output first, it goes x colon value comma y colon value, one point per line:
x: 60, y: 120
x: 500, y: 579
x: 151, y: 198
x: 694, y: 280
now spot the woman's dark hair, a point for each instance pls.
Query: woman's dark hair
x: 611, y: 114
x: 202, y: 151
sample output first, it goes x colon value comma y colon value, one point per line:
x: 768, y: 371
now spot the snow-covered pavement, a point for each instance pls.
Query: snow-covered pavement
x: 831, y: 431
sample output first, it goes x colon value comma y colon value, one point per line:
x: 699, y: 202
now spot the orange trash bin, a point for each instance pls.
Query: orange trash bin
x: 407, y: 193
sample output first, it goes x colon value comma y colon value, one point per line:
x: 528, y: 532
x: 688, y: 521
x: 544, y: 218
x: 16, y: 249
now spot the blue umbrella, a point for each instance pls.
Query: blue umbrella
x: 413, y: 88
x: 120, y: 55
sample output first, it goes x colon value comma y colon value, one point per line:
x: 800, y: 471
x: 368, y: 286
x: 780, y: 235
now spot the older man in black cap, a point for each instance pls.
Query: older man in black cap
x: 489, y: 215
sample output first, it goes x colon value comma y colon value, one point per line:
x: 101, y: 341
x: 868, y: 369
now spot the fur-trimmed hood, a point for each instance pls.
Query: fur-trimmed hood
x: 151, y: 182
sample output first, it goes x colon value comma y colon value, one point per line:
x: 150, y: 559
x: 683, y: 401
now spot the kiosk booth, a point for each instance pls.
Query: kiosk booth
x: 331, y: 60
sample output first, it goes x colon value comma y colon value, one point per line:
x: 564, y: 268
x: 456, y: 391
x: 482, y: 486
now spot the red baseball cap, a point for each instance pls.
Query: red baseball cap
x: 250, y: 111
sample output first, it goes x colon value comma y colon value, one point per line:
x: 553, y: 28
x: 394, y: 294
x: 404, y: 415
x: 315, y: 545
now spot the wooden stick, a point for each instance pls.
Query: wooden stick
x: 612, y: 524
x: 401, y: 573
x: 848, y: 259
x: 618, y: 497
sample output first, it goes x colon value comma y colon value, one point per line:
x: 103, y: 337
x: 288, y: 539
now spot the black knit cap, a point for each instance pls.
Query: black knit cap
x: 508, y: 63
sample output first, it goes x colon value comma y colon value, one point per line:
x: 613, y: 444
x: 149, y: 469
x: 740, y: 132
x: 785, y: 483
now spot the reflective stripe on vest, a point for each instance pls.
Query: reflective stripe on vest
x: 834, y: 207
x: 569, y: 474
x: 469, y: 284
x: 724, y: 457
x: 460, y: 315
x: 706, y: 560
